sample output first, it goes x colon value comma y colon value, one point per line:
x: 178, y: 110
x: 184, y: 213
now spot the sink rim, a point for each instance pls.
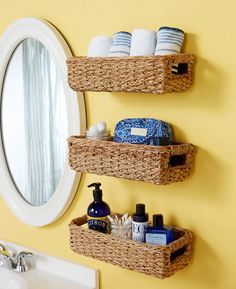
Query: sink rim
x: 85, y: 276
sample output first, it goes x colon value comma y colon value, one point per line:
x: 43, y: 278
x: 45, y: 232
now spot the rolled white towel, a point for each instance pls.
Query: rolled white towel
x: 99, y: 46
x: 143, y: 42
x: 121, y: 44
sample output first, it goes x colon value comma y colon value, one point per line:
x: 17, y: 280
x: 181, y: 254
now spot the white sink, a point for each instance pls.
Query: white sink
x: 47, y: 272
x: 11, y: 280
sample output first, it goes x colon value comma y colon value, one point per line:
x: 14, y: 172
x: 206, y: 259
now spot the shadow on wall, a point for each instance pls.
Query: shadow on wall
x: 206, y: 180
x: 205, y: 185
x: 208, y: 177
x: 209, y: 273
x: 178, y: 134
x: 208, y: 78
x: 205, y: 93
x: 206, y: 275
x: 209, y: 81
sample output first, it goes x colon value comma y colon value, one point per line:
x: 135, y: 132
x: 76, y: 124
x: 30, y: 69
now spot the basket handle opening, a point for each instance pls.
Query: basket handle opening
x: 177, y: 160
x: 178, y: 253
x: 179, y: 68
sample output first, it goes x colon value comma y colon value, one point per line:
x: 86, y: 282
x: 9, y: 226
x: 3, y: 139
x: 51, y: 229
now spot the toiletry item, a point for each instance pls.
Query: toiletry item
x: 98, y: 131
x: 99, y: 46
x: 101, y: 126
x: 169, y: 40
x: 143, y: 42
x: 143, y: 131
x: 139, y: 224
x: 121, y: 44
x: 121, y: 226
x: 158, y: 234
x: 98, y: 211
x: 93, y: 130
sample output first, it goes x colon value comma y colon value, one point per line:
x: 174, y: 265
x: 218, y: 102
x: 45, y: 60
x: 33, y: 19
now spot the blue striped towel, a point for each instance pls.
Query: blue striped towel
x: 121, y: 44
x: 169, y: 41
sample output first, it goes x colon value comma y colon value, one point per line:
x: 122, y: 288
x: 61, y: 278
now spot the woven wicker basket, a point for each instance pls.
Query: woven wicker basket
x: 154, y: 164
x: 152, y: 74
x: 158, y: 261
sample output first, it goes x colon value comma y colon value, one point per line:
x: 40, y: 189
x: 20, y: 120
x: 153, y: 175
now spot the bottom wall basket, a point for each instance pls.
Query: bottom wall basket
x: 158, y: 261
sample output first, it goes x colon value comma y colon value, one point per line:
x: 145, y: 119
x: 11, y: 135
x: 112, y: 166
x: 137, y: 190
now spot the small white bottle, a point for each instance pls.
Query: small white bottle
x: 139, y: 224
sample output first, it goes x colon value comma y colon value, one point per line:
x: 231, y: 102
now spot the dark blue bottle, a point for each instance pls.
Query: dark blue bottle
x: 159, y: 234
x: 98, y: 211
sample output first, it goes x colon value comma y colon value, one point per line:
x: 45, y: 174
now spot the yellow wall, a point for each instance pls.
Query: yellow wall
x: 204, y: 115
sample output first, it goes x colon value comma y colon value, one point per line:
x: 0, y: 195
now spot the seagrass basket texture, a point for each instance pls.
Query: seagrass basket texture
x: 158, y: 261
x: 152, y: 74
x: 154, y: 164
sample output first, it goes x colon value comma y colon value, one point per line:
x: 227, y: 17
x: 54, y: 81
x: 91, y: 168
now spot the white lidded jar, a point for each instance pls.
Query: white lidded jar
x: 98, y: 131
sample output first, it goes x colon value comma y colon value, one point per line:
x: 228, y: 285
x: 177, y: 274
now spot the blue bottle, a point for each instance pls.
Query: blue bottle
x: 159, y: 234
x: 98, y: 211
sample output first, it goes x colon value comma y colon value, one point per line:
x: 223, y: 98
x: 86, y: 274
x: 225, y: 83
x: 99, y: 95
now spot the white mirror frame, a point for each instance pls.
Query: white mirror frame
x: 68, y: 184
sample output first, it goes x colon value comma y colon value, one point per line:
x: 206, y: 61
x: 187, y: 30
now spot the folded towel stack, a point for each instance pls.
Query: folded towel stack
x: 143, y: 42
x: 121, y: 44
x: 99, y: 46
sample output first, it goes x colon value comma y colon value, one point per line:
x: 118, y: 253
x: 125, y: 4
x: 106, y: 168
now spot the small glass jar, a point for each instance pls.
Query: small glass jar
x: 121, y: 231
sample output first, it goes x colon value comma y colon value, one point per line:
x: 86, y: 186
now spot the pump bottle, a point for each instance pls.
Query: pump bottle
x: 98, y: 211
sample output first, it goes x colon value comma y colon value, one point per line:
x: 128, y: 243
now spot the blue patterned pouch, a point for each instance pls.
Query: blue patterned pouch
x: 148, y: 131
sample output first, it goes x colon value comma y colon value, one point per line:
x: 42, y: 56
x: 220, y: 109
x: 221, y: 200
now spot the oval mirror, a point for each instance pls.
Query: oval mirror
x: 38, y: 112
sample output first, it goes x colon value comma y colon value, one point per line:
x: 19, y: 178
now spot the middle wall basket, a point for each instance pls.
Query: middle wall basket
x: 150, y: 74
x: 154, y: 164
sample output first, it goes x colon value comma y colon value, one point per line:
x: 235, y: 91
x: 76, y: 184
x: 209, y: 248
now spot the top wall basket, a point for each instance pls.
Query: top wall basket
x: 152, y: 74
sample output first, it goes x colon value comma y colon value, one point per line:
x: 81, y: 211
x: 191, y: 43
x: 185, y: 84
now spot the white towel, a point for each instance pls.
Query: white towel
x: 143, y: 42
x: 121, y: 44
x: 99, y: 46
